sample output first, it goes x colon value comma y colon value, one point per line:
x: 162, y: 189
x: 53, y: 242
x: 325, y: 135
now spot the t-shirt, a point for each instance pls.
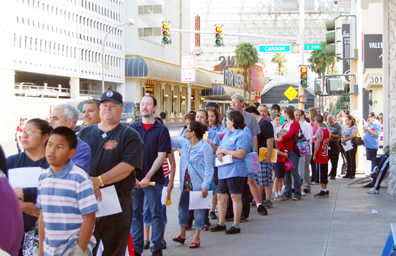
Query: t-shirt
x: 29, y: 194
x: 251, y: 123
x: 64, y: 198
x: 282, y: 119
x: 20, y: 130
x: 120, y: 145
x: 267, y: 132
x: 82, y: 158
x: 348, y: 131
x: 156, y: 139
x: 371, y: 141
x: 3, y: 162
x: 335, y: 129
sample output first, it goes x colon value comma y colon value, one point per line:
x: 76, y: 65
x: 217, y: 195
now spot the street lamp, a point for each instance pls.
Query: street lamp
x: 129, y: 22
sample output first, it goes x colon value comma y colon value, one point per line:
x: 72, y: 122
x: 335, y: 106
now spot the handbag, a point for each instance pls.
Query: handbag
x: 253, y: 162
x: 358, y: 141
x: 288, y: 166
x: 212, y: 186
x: 301, y: 144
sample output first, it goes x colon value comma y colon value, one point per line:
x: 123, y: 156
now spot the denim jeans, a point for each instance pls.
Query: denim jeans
x: 351, y: 161
x: 146, y: 210
x: 114, y: 230
x: 153, y: 194
x: 288, y: 177
x: 199, y: 215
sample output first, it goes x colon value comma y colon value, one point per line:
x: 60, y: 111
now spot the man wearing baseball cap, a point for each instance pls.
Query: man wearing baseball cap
x: 116, y: 152
x: 275, y: 109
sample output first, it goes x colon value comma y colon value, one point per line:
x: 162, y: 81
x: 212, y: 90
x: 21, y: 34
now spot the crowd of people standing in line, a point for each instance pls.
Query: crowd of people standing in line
x: 107, y: 153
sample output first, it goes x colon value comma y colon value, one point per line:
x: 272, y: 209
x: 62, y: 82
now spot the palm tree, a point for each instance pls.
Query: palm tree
x: 280, y: 59
x: 319, y: 62
x: 246, y: 56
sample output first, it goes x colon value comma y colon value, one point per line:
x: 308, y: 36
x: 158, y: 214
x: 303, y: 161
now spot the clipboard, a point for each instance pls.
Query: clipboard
x: 263, y: 154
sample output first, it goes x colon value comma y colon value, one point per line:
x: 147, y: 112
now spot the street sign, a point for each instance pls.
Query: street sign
x: 188, y: 68
x: 291, y: 93
x: 312, y: 47
x: 274, y: 48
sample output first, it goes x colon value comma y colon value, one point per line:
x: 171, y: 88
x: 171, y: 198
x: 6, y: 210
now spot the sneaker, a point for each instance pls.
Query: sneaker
x: 267, y: 204
x: 157, y: 253
x: 332, y: 177
x: 278, y: 198
x: 233, y: 230
x: 244, y: 219
x: 212, y: 216
x: 218, y: 228
x: 327, y: 193
x: 303, y: 193
x: 206, y: 227
x: 307, y: 191
x: 285, y: 198
x: 261, y: 210
x: 322, y: 194
x: 296, y: 198
x: 373, y: 191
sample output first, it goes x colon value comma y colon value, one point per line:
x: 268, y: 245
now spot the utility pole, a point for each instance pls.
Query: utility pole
x: 301, y: 90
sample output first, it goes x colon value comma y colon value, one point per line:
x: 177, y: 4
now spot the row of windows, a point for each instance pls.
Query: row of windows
x: 149, y: 32
x: 149, y: 9
x: 88, y: 5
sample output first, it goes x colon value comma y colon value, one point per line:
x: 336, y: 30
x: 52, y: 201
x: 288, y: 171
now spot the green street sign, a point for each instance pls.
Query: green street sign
x: 274, y: 48
x: 312, y: 47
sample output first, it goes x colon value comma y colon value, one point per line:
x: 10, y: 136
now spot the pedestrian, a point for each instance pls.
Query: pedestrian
x: 371, y: 136
x: 18, y: 134
x: 334, y: 144
x: 188, y: 118
x: 263, y: 110
x: 214, y: 120
x: 349, y: 134
x: 73, y: 202
x: 164, y: 117
x: 67, y: 115
x: 321, y: 155
x: 157, y: 143
x: 313, y: 112
x: 381, y: 118
x: 34, y: 139
x: 196, y: 174
x: 341, y: 121
x: 90, y: 113
x: 279, y: 167
x: 232, y: 177
x: 275, y: 109
x: 288, y: 139
x: 276, y: 120
x: 116, y: 153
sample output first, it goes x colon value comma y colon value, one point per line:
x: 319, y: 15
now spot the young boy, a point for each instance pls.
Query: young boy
x: 66, y: 200
x: 321, y: 155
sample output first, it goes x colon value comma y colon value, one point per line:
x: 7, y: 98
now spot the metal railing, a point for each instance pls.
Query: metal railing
x: 41, y: 91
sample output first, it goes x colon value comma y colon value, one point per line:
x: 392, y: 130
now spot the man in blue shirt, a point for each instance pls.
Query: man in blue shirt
x: 158, y: 144
x: 67, y: 115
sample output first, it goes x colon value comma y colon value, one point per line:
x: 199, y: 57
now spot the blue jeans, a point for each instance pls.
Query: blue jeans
x: 146, y: 210
x: 199, y: 215
x: 297, y: 180
x: 153, y: 194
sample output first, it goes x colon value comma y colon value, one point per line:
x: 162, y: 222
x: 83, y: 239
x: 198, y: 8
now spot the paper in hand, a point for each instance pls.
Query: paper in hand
x: 166, y: 196
x: 197, y: 201
x: 227, y: 159
x: 110, y: 203
x: 24, y: 177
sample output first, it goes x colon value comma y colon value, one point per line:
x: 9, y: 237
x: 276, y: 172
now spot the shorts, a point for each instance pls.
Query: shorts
x: 264, y: 176
x: 232, y: 185
x: 216, y: 175
x: 251, y: 176
x: 321, y: 171
x: 371, y: 153
x: 279, y: 170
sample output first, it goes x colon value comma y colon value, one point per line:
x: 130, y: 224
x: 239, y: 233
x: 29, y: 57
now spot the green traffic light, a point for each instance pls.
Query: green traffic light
x: 165, y: 39
x: 303, y: 82
x: 218, y: 42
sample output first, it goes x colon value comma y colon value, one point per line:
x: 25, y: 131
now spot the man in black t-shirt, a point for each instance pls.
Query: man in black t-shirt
x: 117, y: 151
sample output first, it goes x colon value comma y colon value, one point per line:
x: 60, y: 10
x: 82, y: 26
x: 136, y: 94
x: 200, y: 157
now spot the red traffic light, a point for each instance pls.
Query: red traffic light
x: 218, y: 29
x: 165, y: 26
x: 303, y: 70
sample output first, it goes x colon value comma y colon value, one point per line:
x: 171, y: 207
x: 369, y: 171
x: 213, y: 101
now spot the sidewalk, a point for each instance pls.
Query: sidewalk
x: 341, y: 224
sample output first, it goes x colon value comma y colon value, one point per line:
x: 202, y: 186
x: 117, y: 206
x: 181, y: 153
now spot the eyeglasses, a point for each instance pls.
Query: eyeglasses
x: 29, y: 133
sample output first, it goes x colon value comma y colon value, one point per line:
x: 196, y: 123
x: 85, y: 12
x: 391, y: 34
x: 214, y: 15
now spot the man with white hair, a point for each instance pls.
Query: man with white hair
x: 66, y: 115
x: 334, y: 144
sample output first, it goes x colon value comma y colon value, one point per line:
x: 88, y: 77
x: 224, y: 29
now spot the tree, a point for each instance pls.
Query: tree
x: 246, y: 56
x: 319, y: 62
x: 279, y: 59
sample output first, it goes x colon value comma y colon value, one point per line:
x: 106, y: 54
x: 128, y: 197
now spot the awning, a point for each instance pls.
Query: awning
x: 221, y: 92
x: 141, y: 67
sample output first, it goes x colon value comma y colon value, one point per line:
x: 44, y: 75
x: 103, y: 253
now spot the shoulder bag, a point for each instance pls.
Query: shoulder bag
x: 212, y: 186
x: 252, y: 161
x: 358, y: 141
x: 301, y: 144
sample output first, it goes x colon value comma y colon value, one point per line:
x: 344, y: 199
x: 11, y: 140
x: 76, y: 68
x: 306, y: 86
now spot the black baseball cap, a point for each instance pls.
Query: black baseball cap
x: 111, y: 95
x: 291, y: 106
x: 275, y: 106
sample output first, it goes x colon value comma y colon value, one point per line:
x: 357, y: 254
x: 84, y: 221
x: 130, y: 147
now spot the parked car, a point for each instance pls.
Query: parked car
x: 131, y: 113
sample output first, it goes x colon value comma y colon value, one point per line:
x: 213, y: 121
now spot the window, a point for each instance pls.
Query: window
x: 157, y: 8
x: 148, y: 31
x: 148, y: 9
x: 156, y: 31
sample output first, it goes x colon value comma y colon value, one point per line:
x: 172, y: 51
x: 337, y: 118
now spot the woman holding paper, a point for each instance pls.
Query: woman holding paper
x: 232, y: 175
x: 196, y: 174
x: 34, y: 139
x: 349, y: 134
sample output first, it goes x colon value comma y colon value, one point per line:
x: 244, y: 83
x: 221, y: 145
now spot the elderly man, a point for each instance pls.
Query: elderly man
x: 91, y: 112
x: 335, y: 135
x: 66, y: 115
x: 117, y: 151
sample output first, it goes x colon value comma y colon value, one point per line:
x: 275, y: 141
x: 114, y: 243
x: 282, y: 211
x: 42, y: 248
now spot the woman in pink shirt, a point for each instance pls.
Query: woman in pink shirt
x: 312, y: 113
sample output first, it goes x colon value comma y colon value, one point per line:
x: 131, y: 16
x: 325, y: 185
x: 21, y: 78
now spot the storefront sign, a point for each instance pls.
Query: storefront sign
x: 373, y: 51
x: 233, y: 79
x: 229, y: 62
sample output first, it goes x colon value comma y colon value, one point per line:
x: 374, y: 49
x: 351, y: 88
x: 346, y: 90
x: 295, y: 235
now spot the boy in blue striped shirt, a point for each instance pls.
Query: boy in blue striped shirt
x: 66, y: 199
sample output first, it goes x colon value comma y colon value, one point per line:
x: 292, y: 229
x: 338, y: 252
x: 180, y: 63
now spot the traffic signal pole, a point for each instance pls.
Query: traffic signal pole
x: 301, y: 90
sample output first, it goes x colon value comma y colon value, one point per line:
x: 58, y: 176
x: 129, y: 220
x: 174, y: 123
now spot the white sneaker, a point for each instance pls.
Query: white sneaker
x: 373, y: 191
x: 303, y: 193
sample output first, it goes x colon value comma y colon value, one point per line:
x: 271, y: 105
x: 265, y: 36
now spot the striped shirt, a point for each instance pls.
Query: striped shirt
x: 165, y: 167
x: 64, y: 198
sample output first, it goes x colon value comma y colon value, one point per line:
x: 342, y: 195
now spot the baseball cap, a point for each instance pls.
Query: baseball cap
x: 212, y: 104
x: 111, y: 95
x: 275, y: 106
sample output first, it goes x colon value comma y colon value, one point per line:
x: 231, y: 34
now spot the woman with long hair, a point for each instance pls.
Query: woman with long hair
x: 293, y: 128
x: 34, y: 139
x: 214, y: 120
x: 196, y: 174
x: 349, y: 134
x: 188, y: 118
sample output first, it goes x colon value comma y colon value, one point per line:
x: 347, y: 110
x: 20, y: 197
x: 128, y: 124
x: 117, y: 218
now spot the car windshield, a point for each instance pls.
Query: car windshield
x: 128, y: 109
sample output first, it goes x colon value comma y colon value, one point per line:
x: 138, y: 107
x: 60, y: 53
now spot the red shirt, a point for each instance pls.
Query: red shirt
x: 281, y: 148
x: 288, y: 138
x: 147, y: 126
x: 20, y: 130
x: 322, y: 157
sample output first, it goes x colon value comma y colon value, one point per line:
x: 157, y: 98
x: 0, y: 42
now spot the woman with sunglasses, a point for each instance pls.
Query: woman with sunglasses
x: 196, y: 174
x: 34, y: 139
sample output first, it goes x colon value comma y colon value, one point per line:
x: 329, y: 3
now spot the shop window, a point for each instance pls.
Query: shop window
x: 148, y: 9
x: 156, y: 31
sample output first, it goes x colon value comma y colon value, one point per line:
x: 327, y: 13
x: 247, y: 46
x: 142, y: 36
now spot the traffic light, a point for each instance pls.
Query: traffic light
x: 318, y: 86
x: 218, y: 35
x: 334, y: 38
x: 334, y: 85
x: 302, y: 98
x: 303, y: 77
x: 166, y: 33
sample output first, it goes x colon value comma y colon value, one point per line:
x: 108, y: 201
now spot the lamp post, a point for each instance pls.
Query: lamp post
x: 129, y: 22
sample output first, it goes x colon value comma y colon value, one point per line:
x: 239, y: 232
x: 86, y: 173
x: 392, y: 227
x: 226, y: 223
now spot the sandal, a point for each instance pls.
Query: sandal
x: 195, y: 245
x: 179, y: 239
x: 146, y: 244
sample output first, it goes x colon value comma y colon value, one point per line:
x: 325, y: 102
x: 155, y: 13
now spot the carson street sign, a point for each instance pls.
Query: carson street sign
x: 274, y: 48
